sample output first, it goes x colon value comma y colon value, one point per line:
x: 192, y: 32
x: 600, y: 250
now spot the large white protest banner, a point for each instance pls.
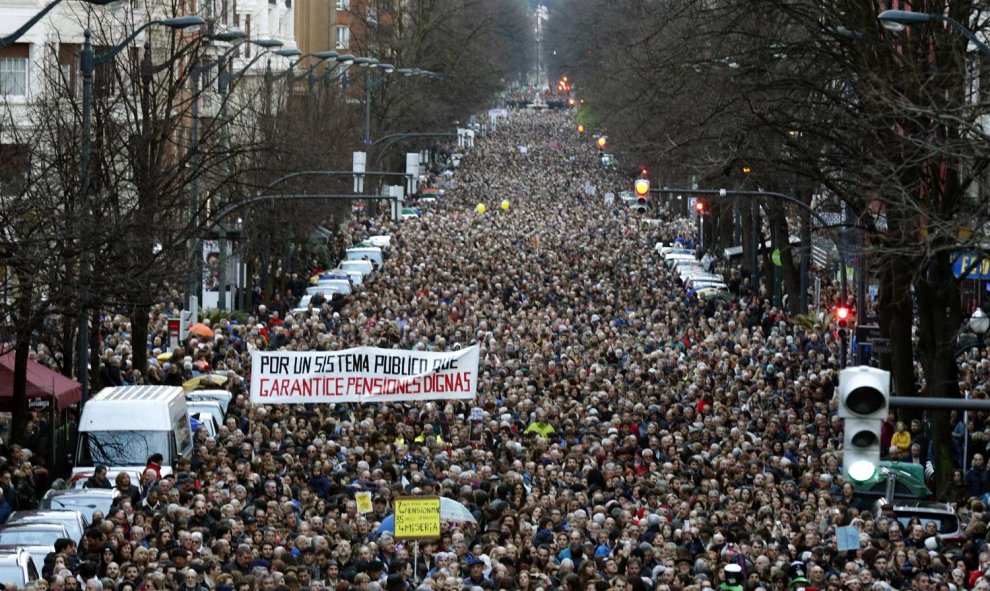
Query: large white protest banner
x: 363, y: 374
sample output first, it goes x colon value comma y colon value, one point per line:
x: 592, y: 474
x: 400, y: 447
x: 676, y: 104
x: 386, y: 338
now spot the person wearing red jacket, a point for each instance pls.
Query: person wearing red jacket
x: 155, y: 464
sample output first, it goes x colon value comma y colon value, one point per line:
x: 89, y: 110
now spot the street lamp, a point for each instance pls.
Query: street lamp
x: 87, y: 65
x: 13, y: 37
x: 979, y: 323
x: 896, y: 20
x: 238, y: 37
x: 387, y: 69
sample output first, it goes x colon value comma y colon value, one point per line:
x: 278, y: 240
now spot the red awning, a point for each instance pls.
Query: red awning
x: 42, y: 383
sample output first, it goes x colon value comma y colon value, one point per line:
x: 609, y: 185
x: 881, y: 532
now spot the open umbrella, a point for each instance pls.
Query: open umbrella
x: 164, y: 356
x: 201, y: 330
x: 451, y: 512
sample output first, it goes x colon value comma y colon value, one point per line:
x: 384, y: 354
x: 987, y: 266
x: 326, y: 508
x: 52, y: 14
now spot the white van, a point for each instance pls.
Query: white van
x: 370, y: 253
x: 122, y: 427
x: 365, y: 267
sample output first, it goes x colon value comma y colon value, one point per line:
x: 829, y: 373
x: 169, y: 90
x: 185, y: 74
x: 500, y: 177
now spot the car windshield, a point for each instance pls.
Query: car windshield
x: 121, y: 448
x: 11, y: 573
x: 947, y: 523
x: 67, y: 520
x: 29, y: 536
x: 84, y: 504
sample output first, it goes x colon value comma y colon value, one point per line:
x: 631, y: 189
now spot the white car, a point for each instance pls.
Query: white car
x: 341, y: 286
x: 303, y: 306
x: 221, y: 397
x: 205, y: 410
x: 356, y: 277
x: 364, y: 267
x: 381, y: 241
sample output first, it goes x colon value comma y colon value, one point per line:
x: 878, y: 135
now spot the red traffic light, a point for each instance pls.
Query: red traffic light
x: 842, y: 314
x: 699, y: 206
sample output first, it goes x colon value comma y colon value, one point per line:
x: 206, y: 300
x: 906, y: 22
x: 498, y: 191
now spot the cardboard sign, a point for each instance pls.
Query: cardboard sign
x: 417, y: 518
x: 363, y: 499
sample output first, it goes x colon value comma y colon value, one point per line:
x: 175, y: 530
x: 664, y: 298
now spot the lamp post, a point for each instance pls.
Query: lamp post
x: 898, y: 19
x: 387, y: 69
x: 13, y: 37
x: 87, y: 64
x: 239, y: 37
x: 225, y: 79
x: 979, y: 323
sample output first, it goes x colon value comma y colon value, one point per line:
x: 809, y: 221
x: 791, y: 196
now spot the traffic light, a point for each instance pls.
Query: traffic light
x: 842, y: 316
x: 601, y: 143
x: 580, y: 129
x: 699, y: 207
x: 642, y: 189
x: 746, y: 169
x: 864, y: 397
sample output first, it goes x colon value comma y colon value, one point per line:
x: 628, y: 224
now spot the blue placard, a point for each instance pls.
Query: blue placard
x: 847, y: 538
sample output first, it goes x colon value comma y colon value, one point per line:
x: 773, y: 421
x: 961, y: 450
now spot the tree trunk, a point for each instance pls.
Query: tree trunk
x: 940, y: 313
x: 22, y: 346
x: 790, y: 273
x: 139, y: 337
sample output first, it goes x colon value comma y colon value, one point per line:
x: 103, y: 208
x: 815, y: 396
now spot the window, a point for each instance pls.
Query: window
x: 13, y: 76
x: 343, y: 4
x: 343, y: 37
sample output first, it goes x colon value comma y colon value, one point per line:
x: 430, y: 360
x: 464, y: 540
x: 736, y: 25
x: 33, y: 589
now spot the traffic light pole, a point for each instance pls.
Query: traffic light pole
x: 925, y: 403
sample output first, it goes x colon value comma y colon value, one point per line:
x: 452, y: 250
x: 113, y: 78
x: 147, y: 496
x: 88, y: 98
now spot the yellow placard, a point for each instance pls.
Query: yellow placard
x: 363, y: 499
x: 417, y: 518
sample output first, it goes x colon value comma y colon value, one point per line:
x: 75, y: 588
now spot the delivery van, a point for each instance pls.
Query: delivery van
x: 122, y: 427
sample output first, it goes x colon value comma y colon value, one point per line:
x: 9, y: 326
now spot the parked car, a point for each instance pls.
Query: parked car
x: 365, y: 267
x: 356, y: 277
x: 303, y: 306
x: 78, y: 479
x: 32, y: 534
x: 942, y: 514
x: 85, y: 501
x: 199, y: 408
x: 19, y: 566
x: 221, y: 397
x: 328, y: 289
x: 74, y: 521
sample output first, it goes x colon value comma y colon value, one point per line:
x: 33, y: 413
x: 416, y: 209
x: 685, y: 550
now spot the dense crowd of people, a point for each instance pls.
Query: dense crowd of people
x: 632, y: 436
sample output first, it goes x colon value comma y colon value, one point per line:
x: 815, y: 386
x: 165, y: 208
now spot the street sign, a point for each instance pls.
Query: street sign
x: 417, y: 518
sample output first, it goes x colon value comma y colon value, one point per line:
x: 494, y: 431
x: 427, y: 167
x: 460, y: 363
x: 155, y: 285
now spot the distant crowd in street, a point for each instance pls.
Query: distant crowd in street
x: 633, y: 436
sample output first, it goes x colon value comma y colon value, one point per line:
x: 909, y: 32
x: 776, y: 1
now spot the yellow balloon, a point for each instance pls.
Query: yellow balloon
x: 480, y: 208
x: 504, y: 205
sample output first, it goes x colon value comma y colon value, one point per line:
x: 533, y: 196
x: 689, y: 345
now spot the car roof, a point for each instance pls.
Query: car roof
x: 33, y: 525
x: 76, y: 492
x: 40, y: 514
x: 922, y: 506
